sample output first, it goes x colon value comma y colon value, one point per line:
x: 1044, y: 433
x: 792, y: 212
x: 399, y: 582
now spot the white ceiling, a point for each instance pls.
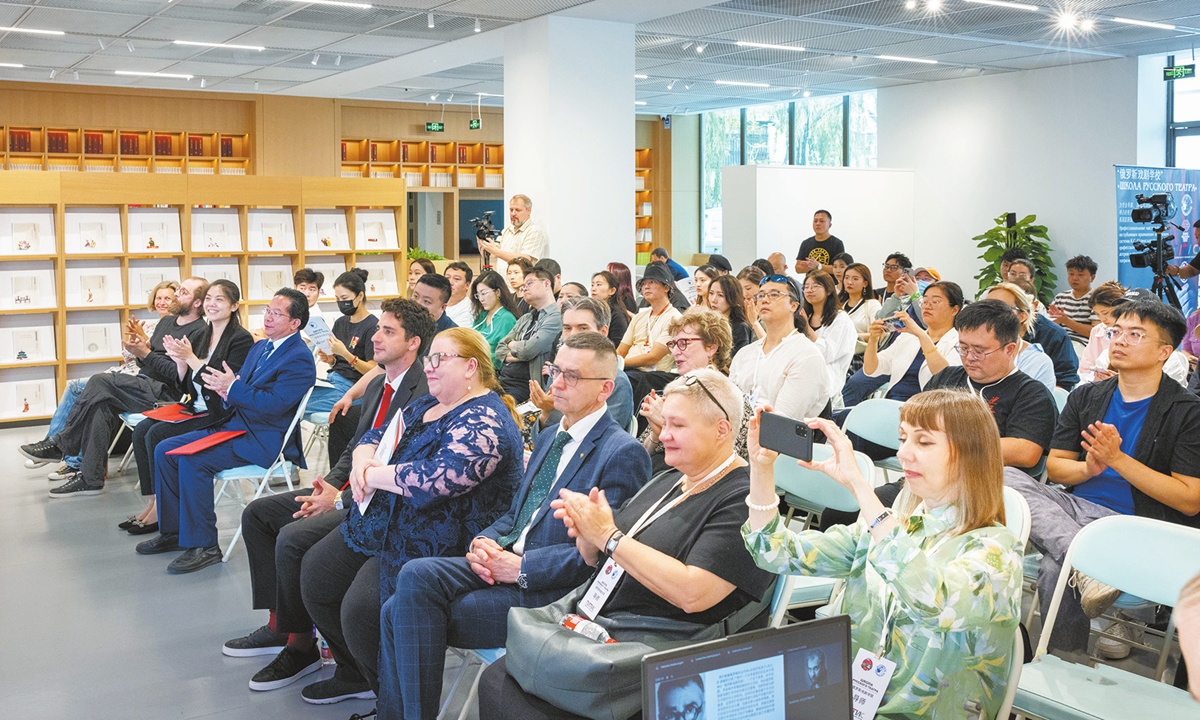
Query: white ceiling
x: 388, y: 52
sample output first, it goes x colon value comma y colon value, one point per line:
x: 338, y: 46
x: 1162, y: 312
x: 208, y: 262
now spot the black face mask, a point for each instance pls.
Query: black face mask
x: 346, y: 306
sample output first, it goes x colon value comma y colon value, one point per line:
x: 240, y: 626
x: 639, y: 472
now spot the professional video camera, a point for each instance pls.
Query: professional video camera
x: 1155, y: 255
x: 485, y: 230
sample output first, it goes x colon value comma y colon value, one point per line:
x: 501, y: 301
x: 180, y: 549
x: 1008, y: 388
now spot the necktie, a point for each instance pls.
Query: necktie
x: 384, y: 403
x: 538, y: 489
x: 263, y: 359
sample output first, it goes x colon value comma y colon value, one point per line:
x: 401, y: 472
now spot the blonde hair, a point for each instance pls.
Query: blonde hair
x: 975, y: 458
x: 164, y: 285
x: 473, y: 346
x: 1021, y: 298
x: 727, y: 394
x: 713, y: 329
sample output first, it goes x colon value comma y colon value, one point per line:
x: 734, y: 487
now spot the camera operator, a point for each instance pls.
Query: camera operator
x: 520, y: 239
x: 1192, y: 268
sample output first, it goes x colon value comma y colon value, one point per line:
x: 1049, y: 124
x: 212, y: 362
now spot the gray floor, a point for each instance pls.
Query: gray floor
x: 89, y: 629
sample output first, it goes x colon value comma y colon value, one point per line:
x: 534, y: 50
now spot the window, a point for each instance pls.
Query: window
x: 832, y: 130
x: 1183, y: 122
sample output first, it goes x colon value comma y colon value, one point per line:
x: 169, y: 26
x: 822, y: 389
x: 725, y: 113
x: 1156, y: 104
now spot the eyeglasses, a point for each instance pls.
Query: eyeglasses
x: 481, y: 294
x: 1132, y: 337
x: 691, y: 711
x: 434, y: 360
x: 276, y: 314
x: 973, y: 354
x: 682, y: 343
x: 570, y: 377
x: 889, y: 266
x: 691, y: 380
x: 772, y: 295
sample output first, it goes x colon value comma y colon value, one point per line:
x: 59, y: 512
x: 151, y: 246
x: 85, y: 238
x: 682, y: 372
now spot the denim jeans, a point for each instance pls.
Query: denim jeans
x: 59, y: 419
x: 323, y: 399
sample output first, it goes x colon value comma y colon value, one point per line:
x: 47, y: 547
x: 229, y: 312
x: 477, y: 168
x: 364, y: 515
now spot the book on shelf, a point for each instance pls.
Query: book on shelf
x: 135, y: 168
x: 19, y: 141
x: 467, y: 180
x: 26, y: 238
x: 373, y: 233
x: 487, y: 155
x: 375, y: 279
x: 413, y: 179
x: 195, y: 146
x: 93, y: 143
x: 150, y: 280
x: 162, y: 144
x: 433, y: 153
x: 374, y: 152
x: 25, y: 291
x: 95, y: 340
x: 233, y: 170
x: 639, y: 182
x: 403, y: 153
x: 271, y: 232
x: 29, y: 398
x: 26, y: 345
x: 343, y: 152
x: 98, y: 168
x: 352, y: 173
x: 272, y: 280
x: 91, y: 235
x: 150, y: 231
x: 493, y: 180
x: 226, y: 147
x: 645, y: 235
x: 57, y: 142
x: 131, y: 145
x: 216, y: 237
x: 645, y: 208
x: 462, y: 154
x: 326, y: 234
x: 93, y: 289
x: 200, y: 170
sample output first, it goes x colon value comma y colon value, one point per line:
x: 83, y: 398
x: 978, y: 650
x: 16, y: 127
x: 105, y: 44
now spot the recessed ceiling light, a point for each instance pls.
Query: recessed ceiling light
x: 53, y: 73
x: 227, y: 46
x: 429, y: 19
x: 934, y: 5
x: 911, y: 4
x: 11, y: 65
x: 768, y: 46
x: 203, y: 83
x: 138, y: 73
x: 478, y: 26
x: 1066, y: 20
x: 700, y: 48
x: 1144, y: 23
x: 741, y: 84
x: 900, y: 58
x: 129, y: 44
x: 1003, y: 4
x: 671, y: 85
x: 32, y: 31
x: 101, y: 41
x: 76, y: 74
x: 451, y: 98
x: 808, y: 93
x: 338, y: 3
x: 316, y: 58
x: 337, y: 61
x: 640, y: 77
x: 687, y: 44
x: 1087, y: 24
x: 639, y: 102
x: 433, y: 96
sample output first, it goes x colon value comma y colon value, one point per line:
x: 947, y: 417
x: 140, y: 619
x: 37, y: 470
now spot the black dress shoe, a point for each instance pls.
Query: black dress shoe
x: 161, y: 544
x: 194, y: 559
x: 129, y: 522
x: 42, y: 450
x: 141, y: 528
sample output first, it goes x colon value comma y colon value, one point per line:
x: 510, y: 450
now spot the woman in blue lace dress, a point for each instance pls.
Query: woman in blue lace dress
x: 424, y: 485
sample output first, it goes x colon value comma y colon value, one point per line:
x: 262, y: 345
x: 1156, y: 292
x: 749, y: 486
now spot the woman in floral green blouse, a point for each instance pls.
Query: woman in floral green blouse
x: 935, y: 585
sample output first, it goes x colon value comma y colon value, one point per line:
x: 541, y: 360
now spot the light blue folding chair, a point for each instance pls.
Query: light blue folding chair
x: 878, y: 420
x: 1147, y: 558
x: 1060, y: 398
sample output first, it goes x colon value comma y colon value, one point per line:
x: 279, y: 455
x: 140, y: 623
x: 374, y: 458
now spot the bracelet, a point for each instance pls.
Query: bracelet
x: 608, y: 539
x: 927, y: 353
x: 765, y: 507
x: 882, y: 516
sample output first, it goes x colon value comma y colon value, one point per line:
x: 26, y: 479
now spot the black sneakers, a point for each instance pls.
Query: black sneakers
x: 327, y: 692
x: 194, y: 559
x: 76, y: 486
x: 288, y: 666
x: 263, y: 641
x: 42, y: 451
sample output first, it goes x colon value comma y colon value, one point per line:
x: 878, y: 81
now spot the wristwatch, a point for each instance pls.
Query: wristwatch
x: 611, y: 546
x: 522, y: 578
x: 337, y: 504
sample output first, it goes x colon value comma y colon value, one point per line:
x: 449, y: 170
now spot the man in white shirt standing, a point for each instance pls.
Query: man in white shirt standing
x: 459, y: 308
x: 520, y: 238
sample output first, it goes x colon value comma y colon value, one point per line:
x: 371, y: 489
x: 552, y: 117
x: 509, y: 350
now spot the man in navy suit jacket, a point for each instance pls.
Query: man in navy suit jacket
x: 524, y: 559
x: 277, y: 373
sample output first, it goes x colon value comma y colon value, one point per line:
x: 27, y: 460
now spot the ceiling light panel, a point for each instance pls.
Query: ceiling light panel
x: 282, y: 38
x: 88, y: 23
x: 515, y: 10
x: 702, y: 23
x: 220, y: 46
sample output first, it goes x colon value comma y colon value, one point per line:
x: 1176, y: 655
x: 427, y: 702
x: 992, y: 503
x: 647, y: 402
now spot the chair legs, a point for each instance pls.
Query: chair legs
x: 467, y: 664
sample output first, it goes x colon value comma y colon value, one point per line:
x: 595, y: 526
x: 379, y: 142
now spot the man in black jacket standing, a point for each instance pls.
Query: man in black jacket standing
x: 281, y: 528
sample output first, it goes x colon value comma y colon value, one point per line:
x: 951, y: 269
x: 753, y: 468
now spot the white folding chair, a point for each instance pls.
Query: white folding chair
x: 128, y: 422
x: 478, y: 659
x: 1147, y: 558
x: 319, y: 437
x: 260, y: 475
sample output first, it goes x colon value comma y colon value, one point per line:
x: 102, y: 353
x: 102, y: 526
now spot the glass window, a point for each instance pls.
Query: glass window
x: 819, y: 131
x: 767, y: 134
x: 721, y: 145
x: 864, y: 146
x: 1187, y: 99
x: 1187, y: 151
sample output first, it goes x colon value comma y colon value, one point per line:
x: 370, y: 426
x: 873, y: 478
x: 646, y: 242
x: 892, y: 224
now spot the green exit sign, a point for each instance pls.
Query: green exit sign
x: 435, y: 127
x: 476, y: 123
x: 1179, y: 72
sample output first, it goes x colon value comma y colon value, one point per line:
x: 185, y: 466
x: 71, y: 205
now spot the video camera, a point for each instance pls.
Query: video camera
x: 1153, y: 255
x: 484, y: 228
x: 1162, y: 208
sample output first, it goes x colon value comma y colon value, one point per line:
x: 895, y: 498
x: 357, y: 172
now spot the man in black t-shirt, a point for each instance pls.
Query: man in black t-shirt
x: 821, y: 248
x: 1023, y: 407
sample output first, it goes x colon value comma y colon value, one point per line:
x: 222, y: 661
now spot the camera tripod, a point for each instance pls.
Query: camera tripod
x: 1164, y: 286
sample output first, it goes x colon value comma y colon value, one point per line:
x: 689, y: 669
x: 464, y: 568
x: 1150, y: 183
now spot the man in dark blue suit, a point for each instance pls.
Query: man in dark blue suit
x: 524, y: 559
x: 264, y: 403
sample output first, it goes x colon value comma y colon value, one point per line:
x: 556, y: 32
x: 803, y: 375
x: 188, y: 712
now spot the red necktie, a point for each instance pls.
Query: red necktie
x: 384, y: 402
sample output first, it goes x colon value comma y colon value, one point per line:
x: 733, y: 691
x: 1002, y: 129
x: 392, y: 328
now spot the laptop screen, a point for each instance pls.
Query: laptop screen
x: 797, y: 671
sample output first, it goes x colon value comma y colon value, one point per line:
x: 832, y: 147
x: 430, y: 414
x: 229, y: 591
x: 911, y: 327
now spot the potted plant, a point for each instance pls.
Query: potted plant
x: 1008, y: 233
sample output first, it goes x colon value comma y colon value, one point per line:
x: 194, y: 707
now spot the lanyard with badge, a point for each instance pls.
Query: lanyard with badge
x: 606, y: 580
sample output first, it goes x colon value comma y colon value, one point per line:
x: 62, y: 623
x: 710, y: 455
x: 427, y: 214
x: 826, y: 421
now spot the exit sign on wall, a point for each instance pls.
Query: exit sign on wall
x: 476, y: 123
x: 435, y: 127
x: 1179, y: 72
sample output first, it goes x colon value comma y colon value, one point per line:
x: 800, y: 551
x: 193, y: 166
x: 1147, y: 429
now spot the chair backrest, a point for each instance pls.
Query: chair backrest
x: 633, y: 425
x: 1016, y: 514
x: 817, y: 490
x: 296, y: 418
x: 1060, y: 398
x: 876, y: 420
x: 1148, y: 558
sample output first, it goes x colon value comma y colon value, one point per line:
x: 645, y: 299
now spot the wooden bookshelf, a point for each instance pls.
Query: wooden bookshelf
x: 652, y: 189
x: 113, y: 150
x: 136, y: 229
x: 432, y: 164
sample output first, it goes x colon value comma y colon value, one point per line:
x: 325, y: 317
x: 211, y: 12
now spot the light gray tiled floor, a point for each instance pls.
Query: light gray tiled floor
x: 91, y: 630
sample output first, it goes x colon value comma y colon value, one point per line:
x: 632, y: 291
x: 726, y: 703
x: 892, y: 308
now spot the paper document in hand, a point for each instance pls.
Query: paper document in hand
x: 383, y: 452
x: 319, y: 332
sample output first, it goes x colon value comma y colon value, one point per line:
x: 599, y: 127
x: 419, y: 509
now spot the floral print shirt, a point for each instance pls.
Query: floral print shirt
x: 943, y: 607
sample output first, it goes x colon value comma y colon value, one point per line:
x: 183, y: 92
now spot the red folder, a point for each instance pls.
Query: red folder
x: 172, y: 413
x: 206, y: 442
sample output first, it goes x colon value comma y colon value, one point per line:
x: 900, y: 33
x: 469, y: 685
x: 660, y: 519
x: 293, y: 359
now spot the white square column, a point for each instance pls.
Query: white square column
x: 569, y: 137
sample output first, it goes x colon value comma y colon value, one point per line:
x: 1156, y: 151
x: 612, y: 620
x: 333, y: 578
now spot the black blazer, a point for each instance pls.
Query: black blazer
x: 235, y: 343
x: 412, y: 386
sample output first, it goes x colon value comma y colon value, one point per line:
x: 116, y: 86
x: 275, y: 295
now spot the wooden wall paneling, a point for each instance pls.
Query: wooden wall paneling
x: 318, y: 192
x: 299, y: 136
x: 123, y: 189
x: 26, y: 187
x: 380, y: 120
x: 244, y: 190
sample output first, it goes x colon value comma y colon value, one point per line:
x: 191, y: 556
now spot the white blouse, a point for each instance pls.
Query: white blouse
x: 836, y: 343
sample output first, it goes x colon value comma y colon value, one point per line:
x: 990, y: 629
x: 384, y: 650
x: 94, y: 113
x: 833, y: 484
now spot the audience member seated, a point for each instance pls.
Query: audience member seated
x: 1104, y: 299
x: 901, y: 293
x: 1177, y: 366
x: 1073, y: 308
x: 699, y: 339
x: 648, y: 363
x: 571, y: 290
x: 221, y: 341
x: 460, y: 307
x: 279, y: 529
x: 263, y: 405
x: 1020, y: 269
x: 95, y: 418
x: 1190, y: 345
x: 778, y: 263
x: 624, y: 286
x: 703, y: 277
x: 432, y: 291
x: 423, y: 485
x: 935, y: 585
x: 917, y: 353
x: 515, y: 276
x: 725, y: 297
x: 830, y: 329
x: 584, y: 315
x: 525, y: 558
x: 785, y: 368
x: 861, y: 307
x: 660, y: 255
x: 495, y: 309
x: 685, y: 564
x: 1187, y: 622
x: 310, y: 282
x: 604, y: 289
x: 530, y: 344
x: 551, y: 266
x: 1052, y: 338
x: 1006, y: 261
x: 895, y: 267
x: 416, y: 269
x: 764, y: 265
x: 1030, y: 358
x: 350, y: 341
x: 837, y: 267
x: 1128, y: 445
x: 161, y: 298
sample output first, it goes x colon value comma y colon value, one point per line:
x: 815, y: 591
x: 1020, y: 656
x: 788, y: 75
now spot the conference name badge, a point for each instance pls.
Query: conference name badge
x: 603, y: 586
x: 870, y: 675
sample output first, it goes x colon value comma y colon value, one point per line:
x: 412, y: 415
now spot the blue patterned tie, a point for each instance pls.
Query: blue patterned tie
x: 263, y: 360
x: 538, y: 489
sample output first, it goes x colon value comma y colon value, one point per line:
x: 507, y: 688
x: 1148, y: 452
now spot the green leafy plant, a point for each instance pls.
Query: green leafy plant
x: 419, y: 254
x: 1028, y: 237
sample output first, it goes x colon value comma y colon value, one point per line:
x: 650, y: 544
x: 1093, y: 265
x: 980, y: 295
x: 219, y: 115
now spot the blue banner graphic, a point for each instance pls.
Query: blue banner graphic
x: 1181, y: 185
